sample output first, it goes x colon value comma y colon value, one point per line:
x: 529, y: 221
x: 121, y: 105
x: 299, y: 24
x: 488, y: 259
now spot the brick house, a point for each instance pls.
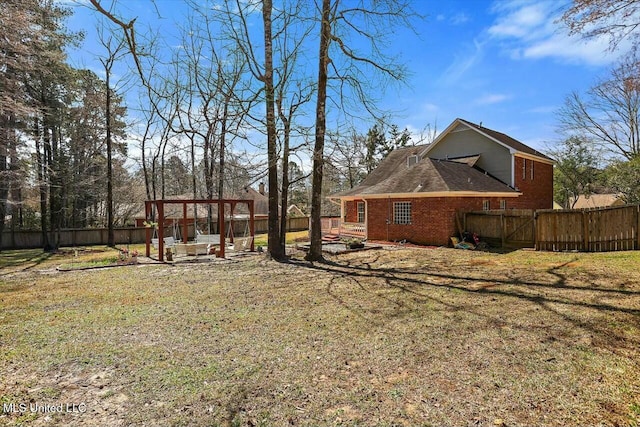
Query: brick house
x: 415, y: 192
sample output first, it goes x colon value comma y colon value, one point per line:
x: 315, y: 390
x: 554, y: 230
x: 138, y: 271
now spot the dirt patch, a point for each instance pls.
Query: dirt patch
x: 75, y: 398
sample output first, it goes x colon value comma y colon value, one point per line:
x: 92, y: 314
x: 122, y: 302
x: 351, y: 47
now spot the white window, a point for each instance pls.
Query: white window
x: 503, y: 204
x: 486, y: 205
x: 524, y: 169
x: 402, y: 212
x: 360, y: 211
x: 531, y: 167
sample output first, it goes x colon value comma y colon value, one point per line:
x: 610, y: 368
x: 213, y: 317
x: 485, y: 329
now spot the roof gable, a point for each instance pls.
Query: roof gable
x: 500, y: 138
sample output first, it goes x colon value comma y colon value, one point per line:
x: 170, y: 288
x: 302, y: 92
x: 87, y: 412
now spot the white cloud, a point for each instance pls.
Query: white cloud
x: 570, y: 49
x: 520, y: 22
x: 492, y: 98
x: 530, y: 29
x: 456, y: 19
x: 459, y: 18
x: 463, y: 62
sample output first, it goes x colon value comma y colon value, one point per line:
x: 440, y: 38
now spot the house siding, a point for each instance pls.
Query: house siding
x: 463, y: 141
x: 537, y: 193
x: 432, y: 218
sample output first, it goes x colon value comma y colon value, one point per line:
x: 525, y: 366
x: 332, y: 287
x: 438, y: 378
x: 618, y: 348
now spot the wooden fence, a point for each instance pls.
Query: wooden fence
x: 587, y: 230
x: 593, y: 230
x: 504, y: 228
x: 98, y: 236
x: 72, y: 237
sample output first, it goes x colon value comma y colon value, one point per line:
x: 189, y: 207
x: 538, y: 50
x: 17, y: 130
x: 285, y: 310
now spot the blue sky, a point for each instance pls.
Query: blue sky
x: 508, y: 64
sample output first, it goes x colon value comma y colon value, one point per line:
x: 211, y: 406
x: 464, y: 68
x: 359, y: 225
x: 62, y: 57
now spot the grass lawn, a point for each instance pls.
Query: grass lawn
x: 292, y: 237
x: 389, y: 337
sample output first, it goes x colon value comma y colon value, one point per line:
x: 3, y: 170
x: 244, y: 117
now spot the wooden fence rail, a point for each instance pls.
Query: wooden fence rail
x: 586, y: 230
x: 128, y: 235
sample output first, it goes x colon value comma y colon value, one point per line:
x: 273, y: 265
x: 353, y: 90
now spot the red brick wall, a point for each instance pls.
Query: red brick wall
x: 351, y: 210
x: 537, y: 193
x: 432, y: 218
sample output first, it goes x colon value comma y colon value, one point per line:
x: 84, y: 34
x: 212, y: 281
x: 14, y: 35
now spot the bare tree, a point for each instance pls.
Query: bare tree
x: 610, y: 113
x: 315, y: 232
x: 160, y: 102
x: 274, y: 69
x: 292, y: 93
x: 615, y: 19
x: 352, y: 71
x: 114, y: 50
x: 348, y: 155
x: 214, y: 111
x: 275, y: 248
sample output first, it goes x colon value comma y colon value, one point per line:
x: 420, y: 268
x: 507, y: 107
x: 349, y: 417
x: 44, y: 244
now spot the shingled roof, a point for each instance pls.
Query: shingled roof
x: 394, y: 176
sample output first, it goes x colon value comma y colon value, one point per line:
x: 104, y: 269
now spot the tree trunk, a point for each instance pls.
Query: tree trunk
x: 52, y: 150
x: 42, y: 186
x: 194, y: 183
x: 274, y: 247
x: 315, y: 234
x: 208, y: 178
x: 111, y: 239
x: 284, y: 192
x: 4, y: 180
x: 223, y: 131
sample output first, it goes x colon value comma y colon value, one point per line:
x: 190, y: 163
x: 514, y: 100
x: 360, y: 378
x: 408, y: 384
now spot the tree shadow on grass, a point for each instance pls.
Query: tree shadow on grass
x: 21, y: 260
x: 559, y: 295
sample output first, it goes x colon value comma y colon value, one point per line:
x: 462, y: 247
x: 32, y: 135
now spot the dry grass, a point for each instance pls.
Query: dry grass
x: 292, y: 237
x: 389, y: 337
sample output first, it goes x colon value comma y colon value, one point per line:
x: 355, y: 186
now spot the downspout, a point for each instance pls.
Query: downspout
x: 388, y: 215
x: 513, y: 170
x: 341, y: 219
x: 366, y: 219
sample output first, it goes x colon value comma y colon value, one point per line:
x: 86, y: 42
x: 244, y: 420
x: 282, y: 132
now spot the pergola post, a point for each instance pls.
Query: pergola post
x: 223, y: 242
x: 160, y: 206
x: 185, y: 227
x: 252, y: 225
x: 233, y: 206
x: 147, y: 232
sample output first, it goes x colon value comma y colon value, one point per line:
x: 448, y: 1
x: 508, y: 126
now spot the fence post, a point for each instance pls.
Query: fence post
x: 585, y: 232
x: 535, y: 231
x: 638, y: 227
x: 502, y: 225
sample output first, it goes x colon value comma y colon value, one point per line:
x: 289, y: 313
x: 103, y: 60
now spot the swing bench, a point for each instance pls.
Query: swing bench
x: 242, y: 243
x: 239, y: 243
x: 213, y: 239
x: 169, y: 242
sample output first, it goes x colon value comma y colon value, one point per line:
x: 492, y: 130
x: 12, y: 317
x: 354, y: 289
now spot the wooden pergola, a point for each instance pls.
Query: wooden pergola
x: 221, y: 203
